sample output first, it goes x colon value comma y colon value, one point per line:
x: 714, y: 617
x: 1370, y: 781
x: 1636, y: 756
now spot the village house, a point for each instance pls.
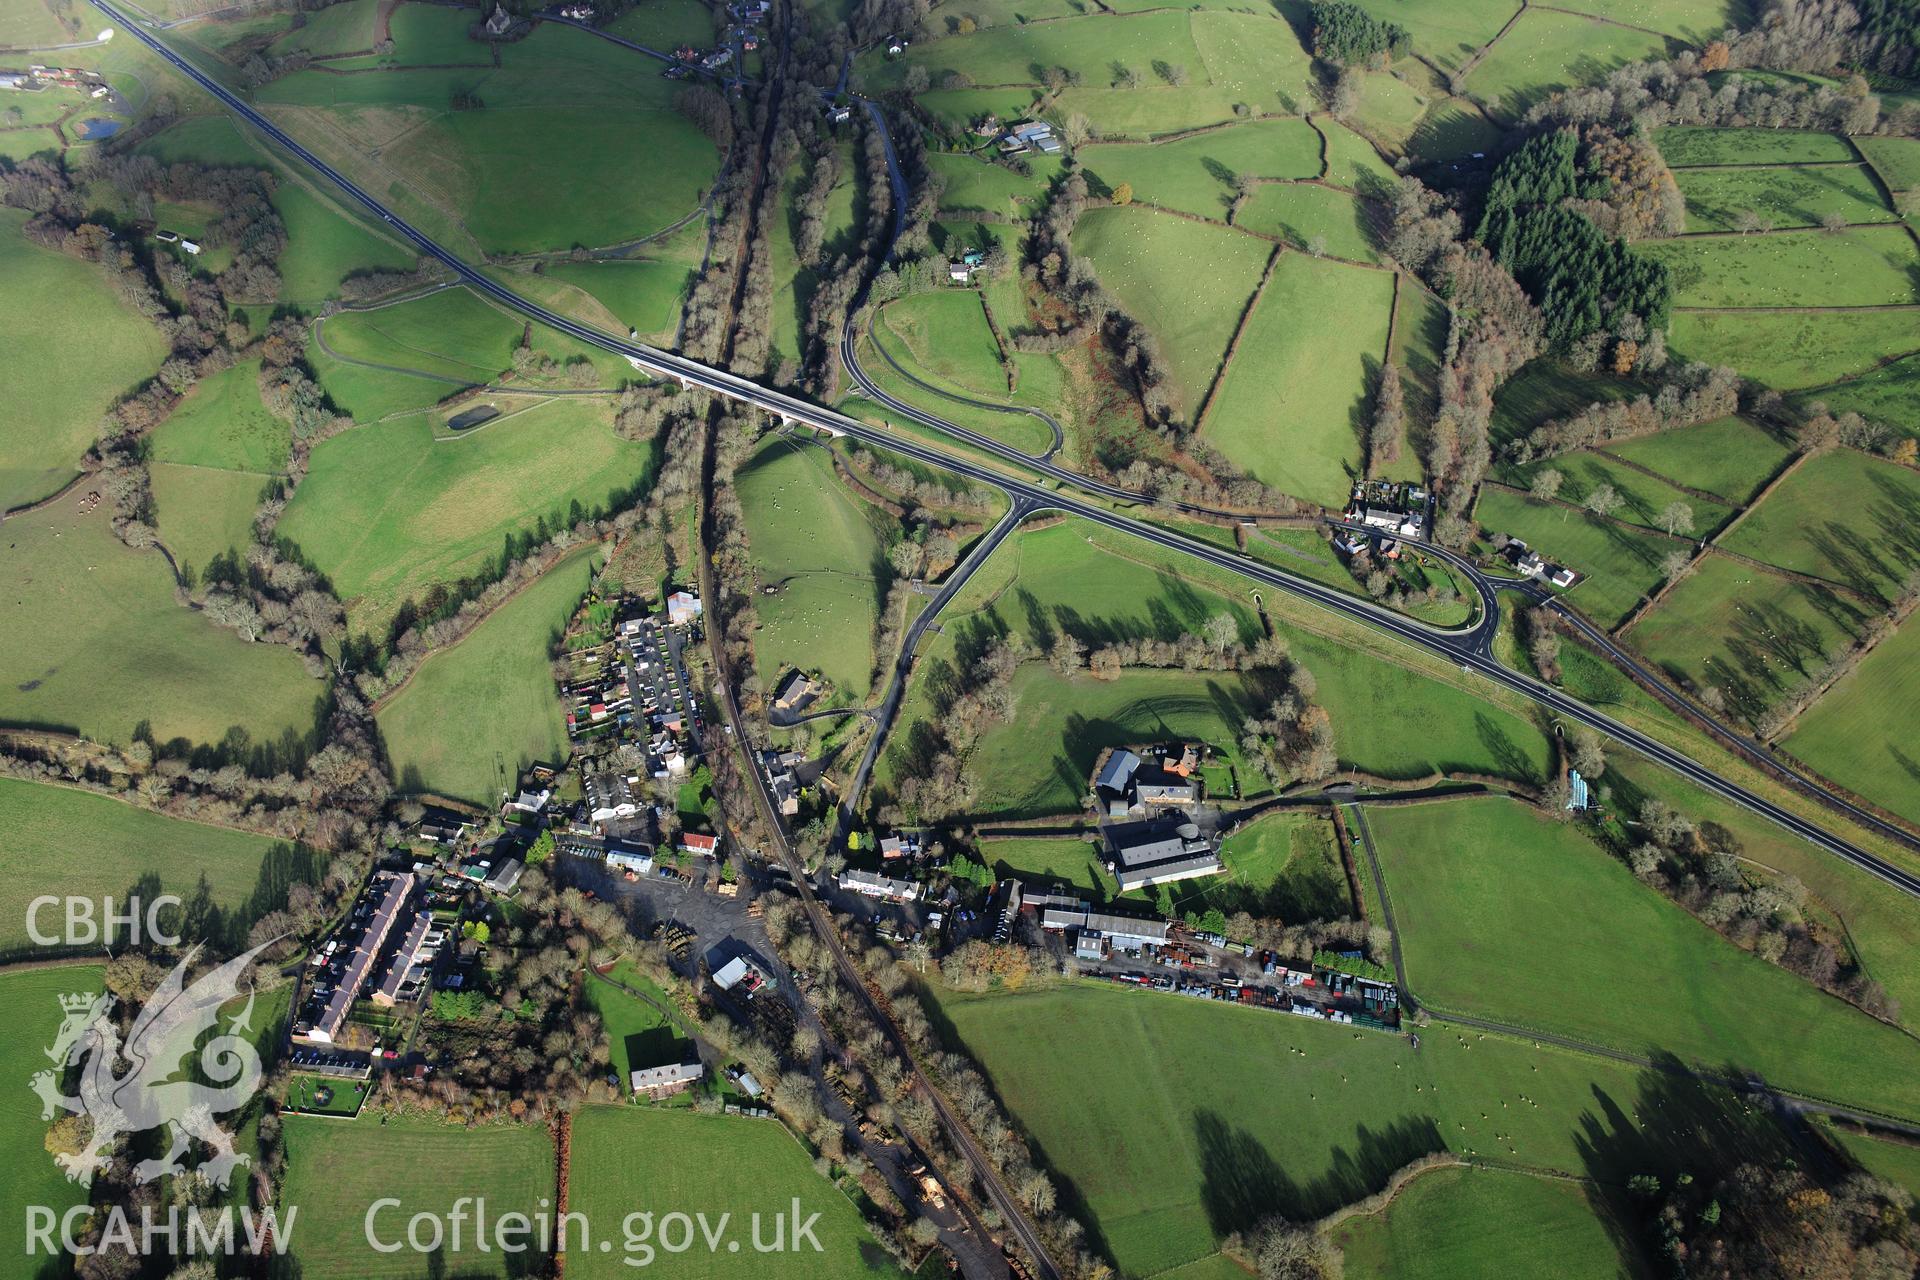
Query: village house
x: 683, y: 609
x: 795, y: 691
x: 962, y: 269
x: 704, y: 845
x: 530, y: 804
x: 408, y: 970
x: 339, y: 979
x: 870, y: 885
x: 663, y: 1082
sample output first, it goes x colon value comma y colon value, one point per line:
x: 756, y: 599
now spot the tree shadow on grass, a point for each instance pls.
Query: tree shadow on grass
x: 1243, y: 1184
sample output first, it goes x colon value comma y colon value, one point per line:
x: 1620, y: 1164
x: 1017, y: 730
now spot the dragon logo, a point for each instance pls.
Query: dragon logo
x: 152, y: 1091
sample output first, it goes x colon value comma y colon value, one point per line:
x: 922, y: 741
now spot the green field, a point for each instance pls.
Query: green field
x: 639, y: 1034
x: 1843, y: 516
x: 1621, y: 563
x: 1697, y: 21
x: 1789, y: 350
x: 1186, y: 282
x: 1782, y: 197
x: 66, y: 319
x: 1860, y: 731
x: 1042, y: 761
x: 1480, y: 890
x: 1545, y: 389
x: 1861, y: 267
x: 1889, y: 395
x: 1754, y: 634
x: 451, y: 334
x: 947, y: 334
x: 666, y: 24
x: 1642, y: 498
x: 1545, y: 51
x: 1890, y: 1158
x: 75, y: 842
x: 979, y: 184
x: 823, y: 551
x: 1197, y: 174
x: 1387, y: 718
x: 1475, y: 1222
x: 1446, y: 34
x: 93, y: 640
x: 1057, y: 859
x: 1285, y: 866
x: 628, y: 1160
x: 1293, y: 405
x: 338, y: 29
x: 387, y: 512
x: 221, y: 423
x: 1684, y: 145
x: 1897, y: 159
x: 1305, y: 214
x: 474, y: 715
x: 1175, y: 1122
x: 645, y: 294
x: 1352, y: 161
x: 577, y: 143
x: 336, y: 1169
x: 202, y: 512
x: 30, y: 1004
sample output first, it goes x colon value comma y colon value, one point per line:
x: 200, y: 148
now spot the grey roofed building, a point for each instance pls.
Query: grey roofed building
x: 876, y: 886
x: 499, y: 21
x: 793, y: 690
x: 1123, y: 930
x: 661, y: 1082
x: 394, y: 888
x: 1118, y: 771
x: 1156, y: 786
x: 1090, y: 944
x: 402, y: 970
x: 504, y: 877
x: 1159, y: 854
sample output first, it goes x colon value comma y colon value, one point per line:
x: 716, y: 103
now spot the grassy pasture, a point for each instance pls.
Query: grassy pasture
x: 475, y: 714
x: 1446, y: 34
x: 1790, y: 350
x: 1643, y: 498
x: 640, y: 1035
x: 1622, y: 564
x: 1897, y: 159
x: 1859, y: 267
x: 1197, y: 174
x: 1283, y: 866
x: 1842, y: 516
x: 633, y: 1159
x: 973, y: 183
x: 1352, y: 160
x: 30, y: 25
x: 389, y: 511
x: 1457, y: 1222
x: 1177, y: 1121
x: 1302, y: 213
x: 1889, y: 395
x: 1860, y: 732
x: 948, y: 336
x: 1898, y: 1162
x: 1292, y: 404
x: 222, y: 423
x: 1731, y: 457
x: 666, y: 24
x: 1014, y: 55
x: 1387, y: 718
x: 1039, y: 859
x: 450, y: 333
x: 823, y: 550
x: 1545, y: 51
x: 1042, y: 761
x: 1753, y: 633
x: 1039, y: 376
x: 573, y: 146
x: 1697, y: 21
x: 336, y: 1169
x: 337, y: 29
x: 75, y: 842
x: 204, y: 513
x: 644, y: 294
x: 30, y: 1004
x: 1783, y: 197
x: 1188, y: 283
x: 1688, y: 145
x: 1546, y: 389
x: 66, y: 318
x: 93, y: 640
x: 1480, y: 888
